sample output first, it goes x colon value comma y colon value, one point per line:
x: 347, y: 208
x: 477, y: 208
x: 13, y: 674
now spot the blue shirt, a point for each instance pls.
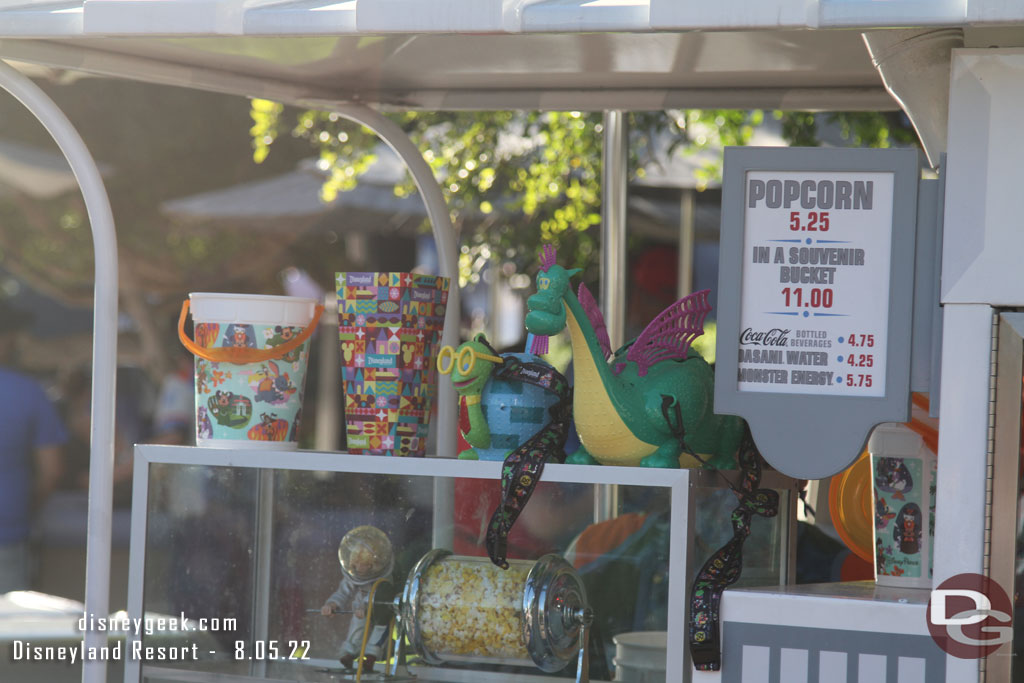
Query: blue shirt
x: 28, y: 421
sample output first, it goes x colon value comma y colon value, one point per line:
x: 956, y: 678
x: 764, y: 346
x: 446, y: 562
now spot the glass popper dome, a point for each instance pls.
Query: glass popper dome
x: 365, y: 553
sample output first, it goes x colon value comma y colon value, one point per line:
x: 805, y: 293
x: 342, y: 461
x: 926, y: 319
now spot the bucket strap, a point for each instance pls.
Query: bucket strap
x: 244, y: 355
x: 524, y: 465
x: 724, y: 567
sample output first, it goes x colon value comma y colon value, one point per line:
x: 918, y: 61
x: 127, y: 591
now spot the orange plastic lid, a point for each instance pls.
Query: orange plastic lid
x: 849, y: 502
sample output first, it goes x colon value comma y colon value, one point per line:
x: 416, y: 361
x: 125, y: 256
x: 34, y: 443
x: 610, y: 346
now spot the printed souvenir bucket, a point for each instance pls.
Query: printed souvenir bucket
x: 389, y: 328
x: 251, y: 356
x: 903, y: 482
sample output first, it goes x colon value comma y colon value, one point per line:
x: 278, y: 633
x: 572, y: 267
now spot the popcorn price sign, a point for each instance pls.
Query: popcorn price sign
x: 815, y: 267
x: 815, y: 297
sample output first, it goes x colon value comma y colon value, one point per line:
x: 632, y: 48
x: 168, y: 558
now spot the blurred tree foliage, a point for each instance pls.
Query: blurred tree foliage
x: 515, y: 180
x: 152, y: 144
x: 512, y: 180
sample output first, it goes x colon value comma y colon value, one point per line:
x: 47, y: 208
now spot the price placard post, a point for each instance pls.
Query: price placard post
x: 815, y: 299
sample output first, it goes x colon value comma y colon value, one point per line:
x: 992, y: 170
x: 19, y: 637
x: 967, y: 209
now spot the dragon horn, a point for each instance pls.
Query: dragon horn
x: 537, y: 344
x: 548, y: 258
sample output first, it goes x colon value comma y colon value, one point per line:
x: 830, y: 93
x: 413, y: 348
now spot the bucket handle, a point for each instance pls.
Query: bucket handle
x: 245, y: 355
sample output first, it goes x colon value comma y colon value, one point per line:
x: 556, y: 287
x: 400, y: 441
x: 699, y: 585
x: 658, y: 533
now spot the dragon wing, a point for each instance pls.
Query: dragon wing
x: 589, y: 305
x: 670, y: 334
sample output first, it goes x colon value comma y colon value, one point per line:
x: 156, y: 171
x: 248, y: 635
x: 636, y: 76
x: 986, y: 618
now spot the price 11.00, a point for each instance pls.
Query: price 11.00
x: 799, y: 297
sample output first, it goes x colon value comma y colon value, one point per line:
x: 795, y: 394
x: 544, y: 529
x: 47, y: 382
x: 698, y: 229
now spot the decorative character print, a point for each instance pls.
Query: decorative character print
x: 892, y: 476
x: 204, y: 375
x: 240, y: 336
x: 883, y: 513
x: 206, y: 334
x: 271, y: 385
x: 230, y: 409
x: 205, y: 429
x: 282, y: 334
x: 270, y: 428
x: 907, y: 532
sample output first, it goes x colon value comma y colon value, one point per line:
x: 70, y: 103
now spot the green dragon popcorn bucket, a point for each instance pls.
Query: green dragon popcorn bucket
x: 389, y: 327
x: 251, y: 356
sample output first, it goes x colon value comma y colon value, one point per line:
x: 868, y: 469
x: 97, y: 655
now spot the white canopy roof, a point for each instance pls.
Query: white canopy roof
x: 490, y: 54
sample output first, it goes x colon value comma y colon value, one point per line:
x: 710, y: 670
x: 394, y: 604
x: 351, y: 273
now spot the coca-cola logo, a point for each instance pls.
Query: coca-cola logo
x: 773, y: 337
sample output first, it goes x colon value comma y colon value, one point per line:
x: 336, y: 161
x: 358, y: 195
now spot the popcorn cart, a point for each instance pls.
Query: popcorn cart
x: 948, y: 308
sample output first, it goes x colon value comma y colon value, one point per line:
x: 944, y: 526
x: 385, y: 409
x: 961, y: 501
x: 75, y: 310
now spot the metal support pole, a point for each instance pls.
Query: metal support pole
x: 104, y: 352
x: 615, y: 157
x: 687, y: 237
x: 328, y: 398
x: 613, y: 225
x: 262, y: 559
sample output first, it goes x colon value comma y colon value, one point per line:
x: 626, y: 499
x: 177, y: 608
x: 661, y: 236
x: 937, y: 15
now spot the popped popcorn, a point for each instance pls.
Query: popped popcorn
x: 471, y: 608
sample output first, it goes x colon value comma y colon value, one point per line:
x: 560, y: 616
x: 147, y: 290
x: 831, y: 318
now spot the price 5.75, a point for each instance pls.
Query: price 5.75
x: 858, y: 380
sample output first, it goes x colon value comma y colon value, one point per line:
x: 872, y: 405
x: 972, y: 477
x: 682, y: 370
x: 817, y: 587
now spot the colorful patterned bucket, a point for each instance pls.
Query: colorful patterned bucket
x: 389, y: 327
x: 251, y: 356
x: 903, y: 480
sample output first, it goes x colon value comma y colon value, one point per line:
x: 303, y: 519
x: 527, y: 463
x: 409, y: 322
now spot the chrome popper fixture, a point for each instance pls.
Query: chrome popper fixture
x: 466, y: 609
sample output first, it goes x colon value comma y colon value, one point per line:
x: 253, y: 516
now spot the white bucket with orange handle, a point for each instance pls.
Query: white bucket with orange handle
x: 251, y: 354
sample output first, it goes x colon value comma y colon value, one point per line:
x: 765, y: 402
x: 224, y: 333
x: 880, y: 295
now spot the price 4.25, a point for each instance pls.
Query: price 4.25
x: 858, y: 380
x: 860, y: 360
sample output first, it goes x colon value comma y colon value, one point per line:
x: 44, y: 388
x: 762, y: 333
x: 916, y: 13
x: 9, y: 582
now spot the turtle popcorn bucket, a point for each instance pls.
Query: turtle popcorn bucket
x: 251, y: 353
x: 389, y: 328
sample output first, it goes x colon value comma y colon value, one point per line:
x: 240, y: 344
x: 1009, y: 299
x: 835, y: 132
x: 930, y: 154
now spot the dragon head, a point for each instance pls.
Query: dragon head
x: 546, y: 315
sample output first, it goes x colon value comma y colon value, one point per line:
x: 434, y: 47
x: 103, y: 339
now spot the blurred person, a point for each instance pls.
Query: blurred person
x: 174, y: 416
x: 131, y: 426
x: 653, y: 274
x: 32, y: 435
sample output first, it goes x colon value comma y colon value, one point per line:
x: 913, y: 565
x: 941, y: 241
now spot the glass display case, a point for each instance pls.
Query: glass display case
x: 241, y: 547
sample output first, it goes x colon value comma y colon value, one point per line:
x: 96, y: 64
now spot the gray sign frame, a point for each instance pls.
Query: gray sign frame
x: 814, y: 436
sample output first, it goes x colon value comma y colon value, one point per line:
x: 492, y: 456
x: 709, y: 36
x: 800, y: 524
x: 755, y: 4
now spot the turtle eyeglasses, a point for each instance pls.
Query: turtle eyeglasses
x: 465, y: 360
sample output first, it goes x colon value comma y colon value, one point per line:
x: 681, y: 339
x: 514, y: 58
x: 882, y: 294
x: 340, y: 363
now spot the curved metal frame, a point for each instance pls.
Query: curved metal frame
x: 105, y: 313
x: 447, y: 251
x: 104, y: 350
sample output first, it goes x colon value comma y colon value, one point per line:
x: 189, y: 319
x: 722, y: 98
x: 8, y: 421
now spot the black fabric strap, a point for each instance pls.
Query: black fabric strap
x: 724, y: 567
x: 524, y: 465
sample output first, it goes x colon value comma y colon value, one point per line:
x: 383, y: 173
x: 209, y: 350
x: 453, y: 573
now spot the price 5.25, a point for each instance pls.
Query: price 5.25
x: 816, y: 221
